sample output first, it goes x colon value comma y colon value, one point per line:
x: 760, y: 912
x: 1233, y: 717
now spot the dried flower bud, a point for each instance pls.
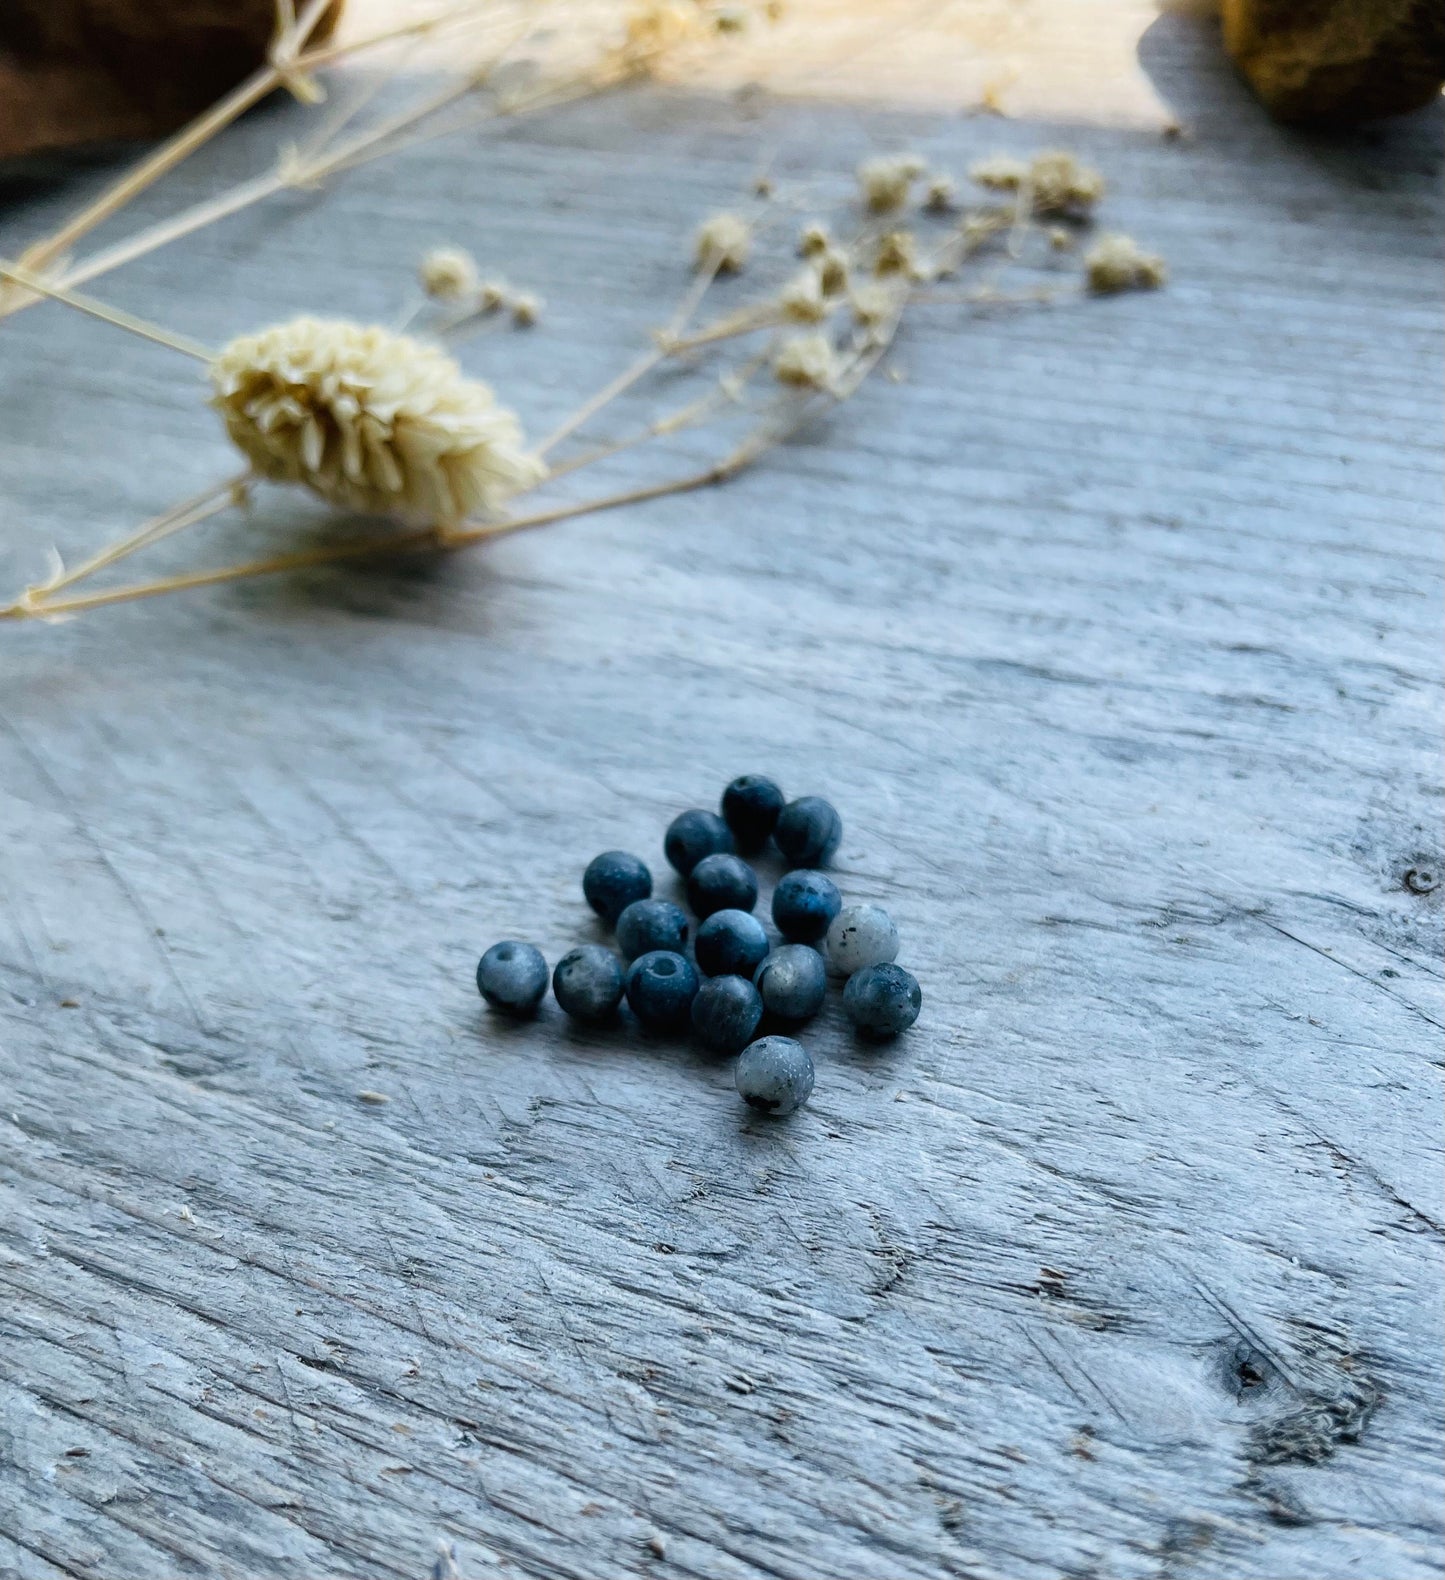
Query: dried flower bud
x: 832, y: 267
x: 802, y: 298
x: 898, y: 254
x: 1060, y: 238
x: 1118, y: 263
x: 723, y: 243
x: 939, y: 195
x: 1000, y: 173
x: 807, y: 362
x: 813, y: 239
x: 448, y: 274
x: 873, y: 304
x: 886, y: 183
x: 369, y: 420
x: 526, y: 309
x: 1062, y: 185
x: 491, y: 294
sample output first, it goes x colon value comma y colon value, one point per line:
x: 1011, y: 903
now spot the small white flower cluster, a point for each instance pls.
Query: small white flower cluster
x: 450, y: 274
x: 723, y: 243
x: 1118, y: 263
x: 1056, y: 181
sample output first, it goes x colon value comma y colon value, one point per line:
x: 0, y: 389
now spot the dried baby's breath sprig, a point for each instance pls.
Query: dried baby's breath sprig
x: 448, y: 274
x: 833, y: 270
x: 813, y: 239
x: 887, y: 183
x: 940, y: 194
x: 1061, y: 238
x: 491, y: 295
x: 723, y: 243
x: 898, y: 254
x: 802, y: 299
x: 1052, y: 182
x: 369, y: 420
x: 1118, y: 263
x: 807, y: 362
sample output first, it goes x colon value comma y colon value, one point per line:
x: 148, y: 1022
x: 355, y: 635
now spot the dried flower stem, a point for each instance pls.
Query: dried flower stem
x: 109, y: 315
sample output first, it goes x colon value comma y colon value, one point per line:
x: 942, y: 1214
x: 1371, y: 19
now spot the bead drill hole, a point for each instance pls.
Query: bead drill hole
x: 664, y: 968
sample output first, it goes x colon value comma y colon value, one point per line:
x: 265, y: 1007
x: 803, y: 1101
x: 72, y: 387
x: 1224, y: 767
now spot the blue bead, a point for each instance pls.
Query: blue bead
x: 804, y: 903
x: 750, y: 807
x: 722, y: 883
x: 809, y: 831
x: 588, y: 982
x: 661, y: 986
x: 692, y: 835
x: 775, y: 1075
x: 725, y: 1013
x: 651, y: 924
x: 882, y: 1000
x: 793, y: 982
x: 730, y: 943
x: 613, y: 881
x: 512, y: 977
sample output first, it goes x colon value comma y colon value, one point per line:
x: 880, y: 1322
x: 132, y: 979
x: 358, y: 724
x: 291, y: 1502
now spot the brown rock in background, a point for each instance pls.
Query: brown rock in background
x: 1338, y: 60
x: 75, y: 71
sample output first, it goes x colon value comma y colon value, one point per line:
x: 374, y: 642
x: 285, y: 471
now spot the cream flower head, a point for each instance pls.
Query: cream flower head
x: 369, y: 420
x: 1119, y: 263
x: 723, y: 243
x: 448, y: 274
x: 807, y: 362
x: 886, y: 183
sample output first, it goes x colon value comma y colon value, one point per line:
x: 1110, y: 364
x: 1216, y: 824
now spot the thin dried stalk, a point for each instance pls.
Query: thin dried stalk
x: 110, y: 315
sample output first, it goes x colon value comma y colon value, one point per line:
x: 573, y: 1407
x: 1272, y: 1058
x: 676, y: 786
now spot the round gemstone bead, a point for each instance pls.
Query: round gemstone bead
x: 692, y: 835
x: 725, y: 1013
x: 750, y: 807
x: 860, y: 935
x: 661, y: 986
x: 730, y: 943
x: 588, y: 983
x: 613, y: 881
x: 882, y: 1000
x: 512, y: 977
x: 775, y: 1075
x: 792, y: 982
x: 808, y: 831
x: 651, y: 924
x: 722, y: 883
x: 804, y: 903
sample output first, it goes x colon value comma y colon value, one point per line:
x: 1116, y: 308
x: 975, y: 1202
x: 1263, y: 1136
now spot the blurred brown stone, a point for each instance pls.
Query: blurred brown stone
x: 77, y: 71
x: 1338, y: 60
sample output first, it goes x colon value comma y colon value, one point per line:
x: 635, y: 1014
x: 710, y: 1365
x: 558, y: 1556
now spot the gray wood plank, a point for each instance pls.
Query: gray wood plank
x: 1114, y: 631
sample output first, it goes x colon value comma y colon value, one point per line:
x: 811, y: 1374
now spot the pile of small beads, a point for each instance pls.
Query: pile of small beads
x: 733, y: 977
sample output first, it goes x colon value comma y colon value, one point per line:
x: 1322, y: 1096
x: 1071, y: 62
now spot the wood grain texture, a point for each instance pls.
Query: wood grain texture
x: 1115, y: 633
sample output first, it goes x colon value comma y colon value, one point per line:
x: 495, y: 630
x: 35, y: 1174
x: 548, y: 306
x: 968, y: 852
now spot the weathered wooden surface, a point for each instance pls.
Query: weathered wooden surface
x: 1114, y: 632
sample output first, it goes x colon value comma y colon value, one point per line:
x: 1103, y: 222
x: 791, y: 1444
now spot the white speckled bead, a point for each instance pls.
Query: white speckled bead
x: 859, y: 936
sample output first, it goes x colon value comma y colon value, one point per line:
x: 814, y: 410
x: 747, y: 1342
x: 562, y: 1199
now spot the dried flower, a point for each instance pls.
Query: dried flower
x: 526, y: 309
x: 448, y: 274
x: 898, y: 254
x: 939, y: 195
x: 491, y: 294
x: 369, y: 420
x: 873, y: 304
x: 723, y: 243
x: 802, y: 298
x: 652, y: 28
x: 813, y: 239
x: 1061, y: 238
x: 1118, y: 263
x: 886, y: 183
x: 1056, y: 181
x: 832, y: 267
x: 1062, y: 185
x: 807, y: 362
x: 1000, y: 173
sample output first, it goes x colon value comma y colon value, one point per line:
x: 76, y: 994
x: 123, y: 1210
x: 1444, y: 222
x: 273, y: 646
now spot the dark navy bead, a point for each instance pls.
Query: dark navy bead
x: 651, y: 924
x: 512, y: 977
x: 613, y: 881
x: 693, y: 835
x: 775, y: 1075
x: 793, y: 982
x: 804, y: 903
x: 588, y: 982
x: 809, y: 831
x: 661, y: 986
x: 750, y: 807
x: 882, y: 1000
x: 722, y: 883
x: 730, y: 943
x: 725, y: 1013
